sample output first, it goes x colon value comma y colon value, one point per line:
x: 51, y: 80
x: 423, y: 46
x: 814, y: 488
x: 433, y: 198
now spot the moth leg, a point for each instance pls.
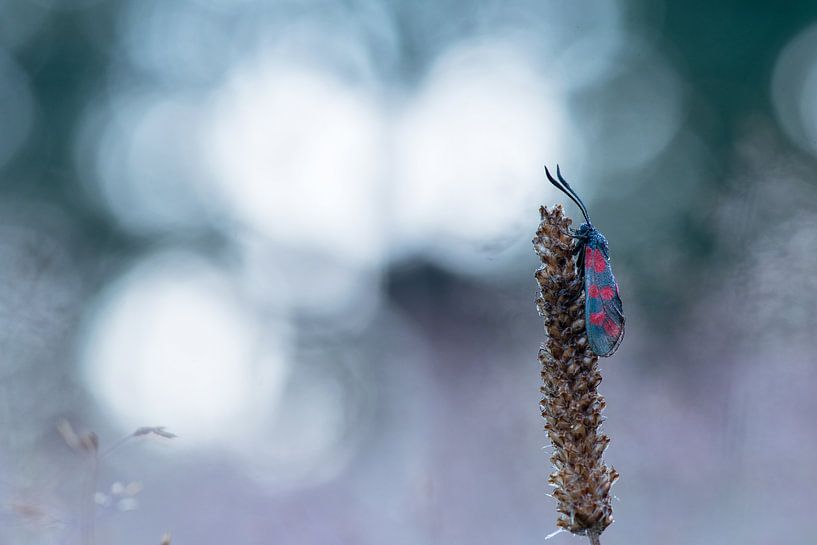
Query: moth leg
x: 578, y: 251
x: 572, y: 233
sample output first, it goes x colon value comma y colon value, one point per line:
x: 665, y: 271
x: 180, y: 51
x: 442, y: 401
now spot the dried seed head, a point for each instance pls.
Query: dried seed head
x: 155, y: 430
x: 89, y: 442
x: 571, y: 404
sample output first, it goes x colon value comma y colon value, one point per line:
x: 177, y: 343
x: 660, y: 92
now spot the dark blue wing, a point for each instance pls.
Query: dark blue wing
x: 602, y: 307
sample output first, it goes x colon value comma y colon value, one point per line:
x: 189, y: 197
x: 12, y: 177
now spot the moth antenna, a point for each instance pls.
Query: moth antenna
x: 560, y: 187
x: 567, y: 190
x: 572, y: 192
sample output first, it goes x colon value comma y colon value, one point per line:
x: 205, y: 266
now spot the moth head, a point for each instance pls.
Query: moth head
x: 584, y: 231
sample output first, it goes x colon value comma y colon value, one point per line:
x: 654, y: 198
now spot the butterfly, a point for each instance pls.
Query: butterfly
x: 602, y: 305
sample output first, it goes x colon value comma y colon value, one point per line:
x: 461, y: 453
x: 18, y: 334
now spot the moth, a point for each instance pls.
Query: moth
x: 603, y: 314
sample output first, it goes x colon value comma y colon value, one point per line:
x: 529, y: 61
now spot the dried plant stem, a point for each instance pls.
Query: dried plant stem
x: 89, y: 443
x: 89, y: 503
x: 571, y: 404
x: 116, y: 446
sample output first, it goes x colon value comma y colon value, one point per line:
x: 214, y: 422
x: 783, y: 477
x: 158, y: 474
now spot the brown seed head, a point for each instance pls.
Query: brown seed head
x: 571, y: 404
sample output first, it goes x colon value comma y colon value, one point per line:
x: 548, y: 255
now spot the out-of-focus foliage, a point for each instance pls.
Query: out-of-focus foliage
x: 298, y: 235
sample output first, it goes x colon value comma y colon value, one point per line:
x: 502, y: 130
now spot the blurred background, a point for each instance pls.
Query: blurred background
x: 297, y: 234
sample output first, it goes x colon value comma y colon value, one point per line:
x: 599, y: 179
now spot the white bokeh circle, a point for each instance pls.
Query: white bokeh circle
x: 295, y: 153
x: 469, y: 152
x: 170, y: 344
x: 794, y: 84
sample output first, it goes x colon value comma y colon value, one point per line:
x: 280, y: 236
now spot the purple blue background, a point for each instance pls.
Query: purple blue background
x: 297, y: 234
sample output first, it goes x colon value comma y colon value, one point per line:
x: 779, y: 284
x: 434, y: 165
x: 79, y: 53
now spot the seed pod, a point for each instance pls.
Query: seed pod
x: 571, y: 404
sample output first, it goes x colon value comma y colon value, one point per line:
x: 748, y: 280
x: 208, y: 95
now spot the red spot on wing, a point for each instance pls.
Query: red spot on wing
x: 595, y: 260
x: 605, y: 292
x: 597, y: 318
x: 611, y: 328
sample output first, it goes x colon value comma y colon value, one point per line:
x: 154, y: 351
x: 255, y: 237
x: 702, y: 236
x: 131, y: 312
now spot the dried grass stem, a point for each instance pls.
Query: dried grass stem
x: 571, y: 404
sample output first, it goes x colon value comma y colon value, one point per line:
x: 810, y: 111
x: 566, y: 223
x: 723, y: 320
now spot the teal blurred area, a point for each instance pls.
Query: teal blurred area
x: 297, y: 234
